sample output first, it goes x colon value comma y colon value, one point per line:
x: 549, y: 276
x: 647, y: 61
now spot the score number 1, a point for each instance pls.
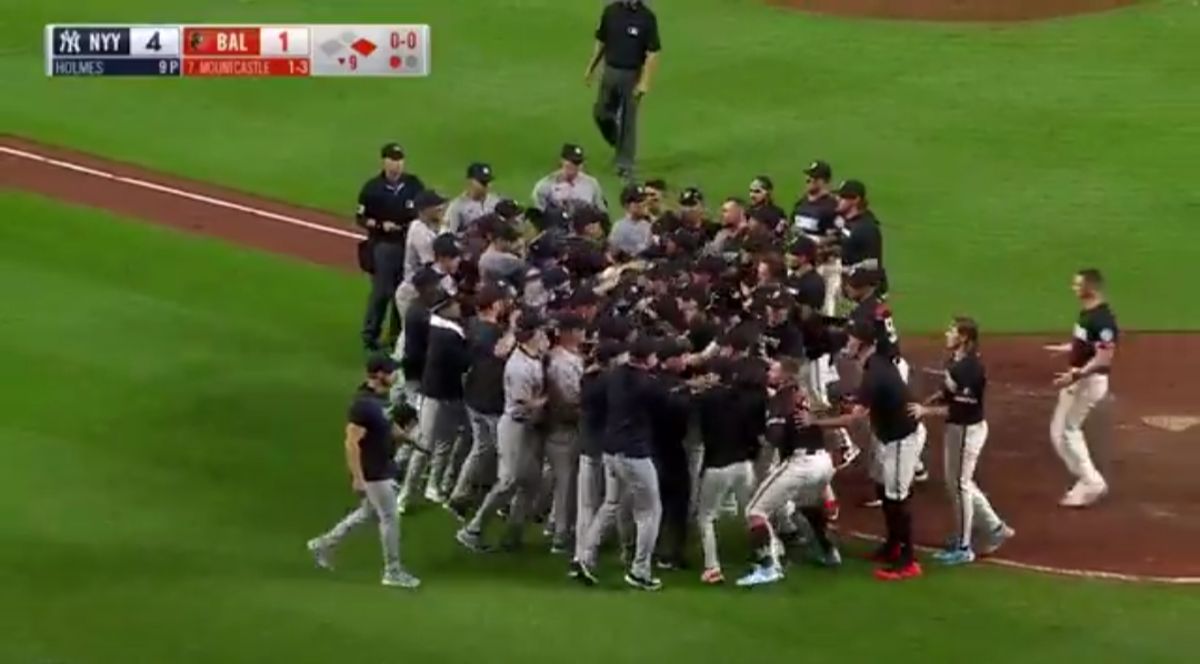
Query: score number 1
x: 284, y: 41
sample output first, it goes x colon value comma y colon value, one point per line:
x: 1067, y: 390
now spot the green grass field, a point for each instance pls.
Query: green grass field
x: 171, y: 438
x: 172, y: 405
x: 1000, y: 158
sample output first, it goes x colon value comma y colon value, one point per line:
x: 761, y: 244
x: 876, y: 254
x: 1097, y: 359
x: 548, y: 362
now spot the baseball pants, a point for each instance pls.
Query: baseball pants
x: 598, y: 485
x: 962, y: 445
x: 693, y: 447
x: 479, y: 468
x: 518, y: 446
x: 1075, y: 402
x: 831, y: 272
x: 895, y: 463
x: 440, y: 424
x: 715, y: 484
x: 378, y: 503
x: 633, y: 479
x: 388, y: 274
x: 562, y: 452
x: 616, y: 112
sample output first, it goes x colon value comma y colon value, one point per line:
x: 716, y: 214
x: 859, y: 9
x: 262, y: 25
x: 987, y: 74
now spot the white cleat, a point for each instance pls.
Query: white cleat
x: 433, y: 495
x: 401, y: 579
x: 321, y: 554
x: 1084, y: 494
x: 761, y: 576
x: 850, y: 453
x: 996, y: 540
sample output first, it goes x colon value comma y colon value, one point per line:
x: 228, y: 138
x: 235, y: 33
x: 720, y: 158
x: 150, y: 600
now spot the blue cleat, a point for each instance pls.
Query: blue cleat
x: 955, y: 556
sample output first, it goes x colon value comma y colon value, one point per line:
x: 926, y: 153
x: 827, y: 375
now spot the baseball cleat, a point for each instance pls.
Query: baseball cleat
x: 997, y: 539
x: 874, y: 502
x: 401, y: 579
x: 899, y: 572
x: 850, y: 453
x: 830, y: 557
x: 921, y: 475
x: 887, y: 554
x: 641, y: 583
x: 471, y: 541
x: 761, y: 575
x: 458, y: 509
x: 322, y: 556
x: 581, y: 573
x: 712, y: 576
x: 955, y: 556
x: 433, y: 495
x: 558, y: 548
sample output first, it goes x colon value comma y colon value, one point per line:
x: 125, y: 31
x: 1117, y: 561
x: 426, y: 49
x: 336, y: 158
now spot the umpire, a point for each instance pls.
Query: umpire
x: 627, y: 40
x: 385, y: 208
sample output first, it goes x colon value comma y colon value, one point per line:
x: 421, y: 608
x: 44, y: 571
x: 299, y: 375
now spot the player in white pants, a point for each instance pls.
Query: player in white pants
x: 1085, y: 384
x: 961, y: 401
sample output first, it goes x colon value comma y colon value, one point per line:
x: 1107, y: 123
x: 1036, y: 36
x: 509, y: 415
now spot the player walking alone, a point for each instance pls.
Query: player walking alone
x: 370, y: 448
x: 1083, y: 385
x: 628, y: 43
x: 960, y: 401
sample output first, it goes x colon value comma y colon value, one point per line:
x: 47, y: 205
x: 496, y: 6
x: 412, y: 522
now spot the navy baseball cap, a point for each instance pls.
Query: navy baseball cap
x: 480, y: 172
x: 805, y: 247
x: 608, y: 349
x: 508, y: 208
x: 391, y: 151
x: 490, y: 294
x: 633, y: 193
x: 691, y: 196
x: 428, y: 199
x: 763, y: 182
x: 446, y: 246
x: 819, y: 170
x: 852, y: 189
x: 569, y: 321
x: 572, y: 153
x: 380, y: 362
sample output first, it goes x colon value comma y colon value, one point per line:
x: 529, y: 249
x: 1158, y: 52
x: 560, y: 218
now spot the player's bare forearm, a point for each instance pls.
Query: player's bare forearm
x: 354, y: 434
x: 594, y: 61
x: 648, y: 70
x: 1102, y: 360
x: 841, y: 421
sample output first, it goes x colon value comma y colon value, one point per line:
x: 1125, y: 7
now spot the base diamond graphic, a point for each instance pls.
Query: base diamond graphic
x: 365, y: 47
x: 331, y: 47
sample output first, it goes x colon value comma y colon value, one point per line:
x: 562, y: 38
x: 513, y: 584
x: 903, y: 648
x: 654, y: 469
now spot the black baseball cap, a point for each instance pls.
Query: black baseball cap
x: 643, y: 347
x: 763, y: 182
x: 554, y: 277
x: 428, y: 199
x: 530, y: 320
x: 780, y: 299
x: 480, y: 172
x: 691, y: 196
x: 572, y: 153
x: 608, y: 349
x: 633, y: 193
x: 804, y: 246
x: 391, y: 151
x: 819, y: 170
x: 380, y: 362
x: 507, y: 232
x: 426, y: 277
x: 586, y: 215
x: 852, y: 189
x: 446, y: 246
x: 508, y: 208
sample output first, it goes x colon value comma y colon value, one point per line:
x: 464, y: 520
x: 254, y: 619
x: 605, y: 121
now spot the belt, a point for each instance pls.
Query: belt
x: 612, y: 66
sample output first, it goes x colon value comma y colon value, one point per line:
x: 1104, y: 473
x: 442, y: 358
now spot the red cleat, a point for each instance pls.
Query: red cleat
x: 832, y: 510
x: 910, y: 571
x: 886, y: 555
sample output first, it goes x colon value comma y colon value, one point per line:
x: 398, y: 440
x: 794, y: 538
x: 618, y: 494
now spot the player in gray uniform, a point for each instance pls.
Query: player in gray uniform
x: 473, y: 203
x: 569, y: 186
x: 518, y: 442
x: 564, y: 371
x: 632, y: 235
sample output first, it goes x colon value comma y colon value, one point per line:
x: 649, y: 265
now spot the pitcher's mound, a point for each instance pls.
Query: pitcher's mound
x: 955, y: 10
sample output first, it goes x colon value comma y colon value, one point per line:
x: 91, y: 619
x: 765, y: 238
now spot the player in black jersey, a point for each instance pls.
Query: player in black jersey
x: 803, y: 473
x: 870, y: 308
x: 1085, y: 384
x: 960, y: 401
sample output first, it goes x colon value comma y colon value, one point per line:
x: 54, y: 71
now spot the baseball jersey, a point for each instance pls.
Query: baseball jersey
x: 464, y: 210
x: 593, y: 401
x: 815, y: 216
x: 873, y: 311
x: 863, y: 240
x: 630, y: 236
x: 808, y: 288
x: 784, y: 431
x: 418, y: 248
x: 1095, y: 329
x: 963, y: 390
x: 885, y: 393
x: 783, y: 340
x: 483, y: 390
x: 524, y: 382
x: 376, y: 448
x: 564, y: 371
x: 554, y: 190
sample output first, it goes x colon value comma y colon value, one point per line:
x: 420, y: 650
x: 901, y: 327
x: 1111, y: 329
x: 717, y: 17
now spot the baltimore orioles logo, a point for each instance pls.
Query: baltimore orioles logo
x: 195, y: 40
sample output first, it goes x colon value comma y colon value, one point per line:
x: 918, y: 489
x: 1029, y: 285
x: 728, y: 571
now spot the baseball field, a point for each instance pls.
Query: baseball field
x: 179, y: 326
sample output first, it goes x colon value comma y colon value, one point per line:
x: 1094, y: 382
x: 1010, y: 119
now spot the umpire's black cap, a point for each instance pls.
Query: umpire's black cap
x: 819, y: 170
x: 480, y: 172
x: 852, y: 189
x: 391, y: 151
x: 572, y: 153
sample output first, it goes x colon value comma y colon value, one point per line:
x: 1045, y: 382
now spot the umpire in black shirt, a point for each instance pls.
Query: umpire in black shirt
x: 385, y: 208
x: 627, y: 40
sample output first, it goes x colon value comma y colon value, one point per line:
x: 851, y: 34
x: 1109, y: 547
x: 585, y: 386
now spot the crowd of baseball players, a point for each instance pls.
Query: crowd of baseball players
x: 637, y: 375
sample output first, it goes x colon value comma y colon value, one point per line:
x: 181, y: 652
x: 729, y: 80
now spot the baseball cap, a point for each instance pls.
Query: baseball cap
x: 668, y: 348
x: 425, y: 278
x: 508, y: 208
x: 763, y: 182
x: 643, y: 347
x: 445, y: 246
x: 428, y: 199
x: 586, y: 215
x: 391, y: 151
x: 852, y: 189
x: 442, y: 301
x: 779, y: 299
x: 507, y: 232
x: 804, y: 246
x: 480, y: 172
x: 554, y: 277
x: 572, y: 153
x: 657, y: 184
x: 530, y: 320
x: 820, y: 170
x: 380, y: 362
x: 608, y: 349
x: 584, y: 297
x: 633, y: 193
x: 691, y: 196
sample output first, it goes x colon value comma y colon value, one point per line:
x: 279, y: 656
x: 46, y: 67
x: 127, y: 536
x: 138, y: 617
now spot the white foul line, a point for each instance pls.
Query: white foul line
x: 172, y: 191
x: 1061, y: 571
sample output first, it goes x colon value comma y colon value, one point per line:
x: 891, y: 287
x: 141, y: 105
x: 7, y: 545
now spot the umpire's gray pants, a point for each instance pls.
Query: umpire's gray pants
x: 518, y: 446
x: 562, y: 451
x: 479, y: 469
x: 637, y: 480
x: 440, y: 425
x: 616, y: 112
x: 379, y: 503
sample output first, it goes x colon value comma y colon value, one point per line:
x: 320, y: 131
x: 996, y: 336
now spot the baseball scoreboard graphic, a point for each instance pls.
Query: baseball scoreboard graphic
x: 237, y: 50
